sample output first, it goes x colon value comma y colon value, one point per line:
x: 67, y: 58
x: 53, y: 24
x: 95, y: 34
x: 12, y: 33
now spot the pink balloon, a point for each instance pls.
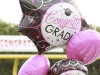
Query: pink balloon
x: 36, y: 65
x: 84, y: 46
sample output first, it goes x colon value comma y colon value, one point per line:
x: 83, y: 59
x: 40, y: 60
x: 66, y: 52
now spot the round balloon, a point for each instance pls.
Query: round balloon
x: 84, y: 46
x: 36, y: 65
x: 68, y: 67
x: 50, y: 23
x: 73, y: 72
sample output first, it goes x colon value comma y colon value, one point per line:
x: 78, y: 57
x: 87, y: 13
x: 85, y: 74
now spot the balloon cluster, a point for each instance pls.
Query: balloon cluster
x: 53, y: 23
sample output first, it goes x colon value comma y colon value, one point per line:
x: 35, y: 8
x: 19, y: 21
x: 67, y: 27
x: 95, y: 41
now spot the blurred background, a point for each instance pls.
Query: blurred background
x: 10, y: 16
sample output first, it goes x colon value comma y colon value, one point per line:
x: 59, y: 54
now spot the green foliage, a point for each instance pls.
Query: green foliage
x: 94, y: 28
x: 6, y: 67
x: 91, y: 26
x: 94, y: 68
x: 8, y: 28
x: 98, y: 29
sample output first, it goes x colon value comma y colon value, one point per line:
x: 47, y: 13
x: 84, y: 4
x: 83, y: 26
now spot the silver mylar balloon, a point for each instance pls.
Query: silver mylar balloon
x: 68, y: 65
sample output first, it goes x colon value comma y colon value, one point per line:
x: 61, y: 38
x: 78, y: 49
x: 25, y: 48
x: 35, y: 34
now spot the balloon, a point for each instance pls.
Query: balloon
x: 73, y: 72
x: 48, y: 26
x: 84, y: 46
x: 65, y: 66
x: 36, y: 65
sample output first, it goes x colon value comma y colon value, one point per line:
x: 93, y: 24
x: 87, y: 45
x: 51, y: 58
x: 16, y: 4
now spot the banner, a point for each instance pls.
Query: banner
x: 17, y: 43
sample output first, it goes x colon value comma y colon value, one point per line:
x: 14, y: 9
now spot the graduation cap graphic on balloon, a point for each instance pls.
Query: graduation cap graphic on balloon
x: 68, y: 12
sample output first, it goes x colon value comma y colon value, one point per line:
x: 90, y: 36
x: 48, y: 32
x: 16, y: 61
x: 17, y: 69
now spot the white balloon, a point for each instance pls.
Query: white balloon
x: 60, y: 22
x: 73, y: 72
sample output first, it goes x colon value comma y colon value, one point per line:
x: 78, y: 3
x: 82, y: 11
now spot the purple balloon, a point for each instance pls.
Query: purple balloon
x: 36, y: 65
x: 84, y: 46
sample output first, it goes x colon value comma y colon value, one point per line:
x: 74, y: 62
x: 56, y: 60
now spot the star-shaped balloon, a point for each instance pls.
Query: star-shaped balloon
x: 46, y: 25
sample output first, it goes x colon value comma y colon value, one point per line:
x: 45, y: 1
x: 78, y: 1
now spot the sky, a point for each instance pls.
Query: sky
x: 10, y: 11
